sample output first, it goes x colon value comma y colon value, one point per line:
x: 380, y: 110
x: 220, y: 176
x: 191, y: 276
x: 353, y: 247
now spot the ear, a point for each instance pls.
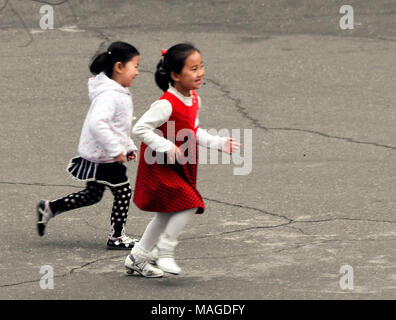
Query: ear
x: 118, y: 66
x: 175, y: 76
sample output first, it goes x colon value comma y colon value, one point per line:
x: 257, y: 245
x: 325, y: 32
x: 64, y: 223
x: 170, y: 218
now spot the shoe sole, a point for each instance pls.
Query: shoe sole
x: 168, y: 271
x: 130, y: 271
x: 119, y: 248
x: 40, y: 226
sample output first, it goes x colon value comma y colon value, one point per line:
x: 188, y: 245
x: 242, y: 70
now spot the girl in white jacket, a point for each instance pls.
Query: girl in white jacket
x: 105, y: 143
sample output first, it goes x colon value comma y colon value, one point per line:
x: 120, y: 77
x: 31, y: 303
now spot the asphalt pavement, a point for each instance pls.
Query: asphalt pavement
x: 312, y: 217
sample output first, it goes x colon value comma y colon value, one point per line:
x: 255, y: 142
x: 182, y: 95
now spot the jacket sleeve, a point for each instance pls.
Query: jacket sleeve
x: 99, y: 126
x: 131, y: 146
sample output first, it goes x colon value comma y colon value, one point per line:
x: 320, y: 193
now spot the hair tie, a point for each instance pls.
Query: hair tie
x: 163, y: 52
x: 108, y: 52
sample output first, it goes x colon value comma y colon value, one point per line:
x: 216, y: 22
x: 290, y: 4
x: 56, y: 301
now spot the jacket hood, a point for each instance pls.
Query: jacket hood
x: 101, y: 83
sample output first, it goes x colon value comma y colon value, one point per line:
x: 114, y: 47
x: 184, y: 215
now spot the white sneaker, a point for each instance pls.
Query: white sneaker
x: 166, y: 261
x: 137, y: 261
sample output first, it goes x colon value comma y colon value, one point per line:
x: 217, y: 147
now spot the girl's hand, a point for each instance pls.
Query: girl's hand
x: 132, y: 156
x: 120, y: 158
x: 175, y: 154
x: 230, y: 145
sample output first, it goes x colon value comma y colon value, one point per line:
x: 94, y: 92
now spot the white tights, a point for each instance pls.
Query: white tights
x: 170, y: 223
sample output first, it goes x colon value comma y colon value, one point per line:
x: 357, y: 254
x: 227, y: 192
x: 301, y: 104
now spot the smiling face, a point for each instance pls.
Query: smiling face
x: 191, y: 76
x: 124, y: 74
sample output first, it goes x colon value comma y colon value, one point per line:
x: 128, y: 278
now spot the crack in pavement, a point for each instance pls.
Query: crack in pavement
x: 256, y: 123
x: 351, y: 140
x: 250, y: 208
x: 300, y: 231
x: 289, y: 220
x: 62, y: 275
x: 238, y: 104
x: 298, y: 246
x: 323, y: 241
x: 104, y: 39
x: 206, y: 198
x: 38, y: 184
x: 24, y: 26
x: 341, y: 218
x: 237, y: 231
x: 221, y: 257
x: 287, y: 224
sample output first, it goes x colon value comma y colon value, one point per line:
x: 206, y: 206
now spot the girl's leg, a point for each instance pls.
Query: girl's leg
x: 177, y: 222
x: 48, y: 209
x: 140, y: 258
x: 92, y: 194
x: 170, y: 223
x: 168, y: 240
x: 119, y: 213
x: 153, y: 230
x: 166, y: 227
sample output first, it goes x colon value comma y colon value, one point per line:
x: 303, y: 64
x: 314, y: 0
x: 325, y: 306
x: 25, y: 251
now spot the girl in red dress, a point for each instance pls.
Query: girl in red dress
x: 167, y: 171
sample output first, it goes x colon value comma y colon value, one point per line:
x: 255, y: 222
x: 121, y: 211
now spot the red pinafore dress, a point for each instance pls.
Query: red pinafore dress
x: 166, y: 187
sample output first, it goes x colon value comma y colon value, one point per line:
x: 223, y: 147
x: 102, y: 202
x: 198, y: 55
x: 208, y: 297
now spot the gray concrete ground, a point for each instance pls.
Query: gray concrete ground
x: 318, y: 99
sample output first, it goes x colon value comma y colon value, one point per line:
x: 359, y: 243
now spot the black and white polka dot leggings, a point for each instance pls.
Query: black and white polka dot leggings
x: 92, y: 194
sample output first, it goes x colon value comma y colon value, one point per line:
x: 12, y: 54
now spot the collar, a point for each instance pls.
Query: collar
x: 186, y: 100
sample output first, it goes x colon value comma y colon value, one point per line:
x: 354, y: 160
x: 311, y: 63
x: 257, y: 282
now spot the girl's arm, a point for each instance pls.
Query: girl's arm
x: 100, y: 117
x: 156, y: 116
x: 205, y: 139
x: 225, y: 144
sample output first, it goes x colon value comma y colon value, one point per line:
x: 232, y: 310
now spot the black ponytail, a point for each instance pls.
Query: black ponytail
x: 162, y: 77
x: 172, y: 61
x: 117, y: 52
x: 98, y: 64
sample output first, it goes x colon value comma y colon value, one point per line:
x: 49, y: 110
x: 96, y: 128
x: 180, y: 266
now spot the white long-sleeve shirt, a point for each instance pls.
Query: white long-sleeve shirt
x: 107, y: 127
x: 159, y: 113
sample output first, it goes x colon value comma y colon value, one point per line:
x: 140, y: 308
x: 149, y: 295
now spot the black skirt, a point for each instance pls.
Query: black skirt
x: 112, y: 174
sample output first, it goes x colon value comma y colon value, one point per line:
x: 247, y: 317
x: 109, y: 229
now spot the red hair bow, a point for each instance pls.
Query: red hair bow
x: 163, y: 52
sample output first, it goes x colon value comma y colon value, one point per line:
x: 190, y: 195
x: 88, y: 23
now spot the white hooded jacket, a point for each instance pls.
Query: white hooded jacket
x: 107, y: 127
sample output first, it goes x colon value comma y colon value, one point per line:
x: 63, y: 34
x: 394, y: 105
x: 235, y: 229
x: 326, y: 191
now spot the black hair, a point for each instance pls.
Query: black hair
x: 172, y: 61
x: 117, y: 52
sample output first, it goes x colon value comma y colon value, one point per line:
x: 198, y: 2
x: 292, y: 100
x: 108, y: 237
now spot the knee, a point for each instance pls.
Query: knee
x: 123, y: 193
x: 95, y: 198
x: 94, y: 193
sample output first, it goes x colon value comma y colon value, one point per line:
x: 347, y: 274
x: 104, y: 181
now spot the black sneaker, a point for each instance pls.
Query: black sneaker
x: 43, y: 216
x: 122, y: 243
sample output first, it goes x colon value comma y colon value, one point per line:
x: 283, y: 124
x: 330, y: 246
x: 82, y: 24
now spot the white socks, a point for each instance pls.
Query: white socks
x: 171, y: 223
x: 166, y: 252
x: 163, y: 230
